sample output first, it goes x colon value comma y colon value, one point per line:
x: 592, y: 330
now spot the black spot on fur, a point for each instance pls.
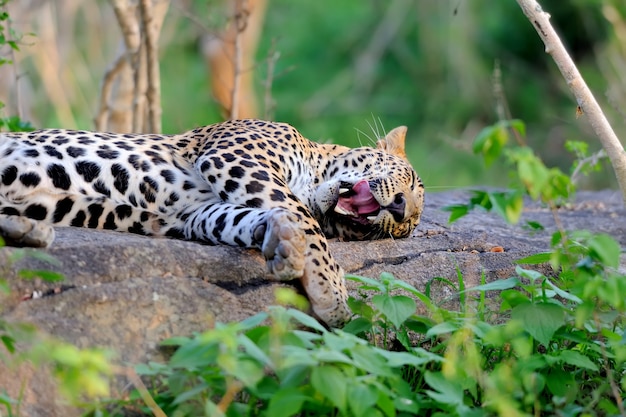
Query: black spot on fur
x: 100, y: 187
x: 108, y: 153
x: 217, y: 162
x: 30, y: 179
x: 62, y: 208
x: 110, y: 222
x: 155, y: 157
x: 59, y: 176
x: 60, y: 141
x: 261, y: 175
x: 88, y: 170
x: 205, y: 166
x: 175, y: 233
x: 137, y: 228
x: 254, y: 202
x: 123, y: 211
x: 10, y: 211
x: 188, y: 185
x: 9, y: 175
x: 79, y: 220
x: 240, y: 216
x: 121, y: 177
x: 31, y: 153
x: 231, y: 186
x: 52, y: 151
x: 248, y: 164
x: 169, y: 176
x: 95, y: 211
x: 236, y: 172
x: 75, y: 152
x: 277, y: 195
x: 254, y: 187
x: 36, y: 211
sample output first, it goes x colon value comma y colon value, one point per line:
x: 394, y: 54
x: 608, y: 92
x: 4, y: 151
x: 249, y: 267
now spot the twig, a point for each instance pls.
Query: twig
x: 102, y: 116
x: 382, y: 37
x: 591, y: 160
x: 268, y: 101
x: 587, y: 104
x: 502, y: 107
x: 142, y: 390
x: 18, y: 91
x: 153, y: 92
x: 240, y: 22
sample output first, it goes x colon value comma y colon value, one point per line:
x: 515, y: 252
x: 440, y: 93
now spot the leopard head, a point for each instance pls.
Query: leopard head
x: 371, y: 193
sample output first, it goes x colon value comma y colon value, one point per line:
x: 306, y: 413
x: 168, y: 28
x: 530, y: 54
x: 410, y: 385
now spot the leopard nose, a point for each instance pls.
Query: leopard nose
x: 397, y: 207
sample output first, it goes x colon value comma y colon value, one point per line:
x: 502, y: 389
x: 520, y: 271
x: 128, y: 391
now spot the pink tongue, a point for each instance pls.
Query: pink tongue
x: 363, y: 201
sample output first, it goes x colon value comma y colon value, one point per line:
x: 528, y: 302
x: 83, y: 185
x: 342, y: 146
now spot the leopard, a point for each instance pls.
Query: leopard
x: 246, y: 183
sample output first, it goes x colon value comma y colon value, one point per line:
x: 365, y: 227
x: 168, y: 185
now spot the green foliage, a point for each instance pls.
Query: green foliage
x: 530, y: 175
x: 557, y: 347
x: 81, y: 373
x: 9, y: 38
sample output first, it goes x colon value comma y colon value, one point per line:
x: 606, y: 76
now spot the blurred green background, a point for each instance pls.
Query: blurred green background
x: 350, y: 68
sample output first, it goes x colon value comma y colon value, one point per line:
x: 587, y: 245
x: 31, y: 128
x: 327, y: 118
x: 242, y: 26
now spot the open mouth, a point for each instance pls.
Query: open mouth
x: 357, y: 202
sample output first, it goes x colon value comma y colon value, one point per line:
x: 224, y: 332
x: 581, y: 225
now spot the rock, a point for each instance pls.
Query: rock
x: 127, y: 292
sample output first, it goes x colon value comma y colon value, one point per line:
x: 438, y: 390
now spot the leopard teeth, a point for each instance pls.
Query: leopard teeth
x: 371, y: 219
x: 344, y: 190
x: 342, y: 211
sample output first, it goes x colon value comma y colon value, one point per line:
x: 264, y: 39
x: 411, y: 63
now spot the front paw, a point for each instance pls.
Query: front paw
x: 284, y: 244
x: 22, y: 231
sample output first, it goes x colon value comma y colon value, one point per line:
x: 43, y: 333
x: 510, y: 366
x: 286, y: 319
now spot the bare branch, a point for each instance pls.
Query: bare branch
x: 586, y: 101
x: 240, y: 22
x: 151, y: 28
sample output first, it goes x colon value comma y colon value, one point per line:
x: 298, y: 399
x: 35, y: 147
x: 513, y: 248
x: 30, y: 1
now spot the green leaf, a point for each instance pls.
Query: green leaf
x: 400, y: 359
x: 332, y: 384
x: 442, y: 328
x: 396, y: 308
x: 518, y: 125
x: 367, y: 359
x: 446, y: 392
x: 286, y: 402
x: 361, y: 308
x: 456, y: 211
x: 563, y: 294
x: 490, y: 141
x: 499, y: 285
x: 605, y: 249
x: 385, y: 403
x: 370, y: 283
x: 48, y: 276
x: 536, y: 259
x: 211, y: 409
x: 540, y: 320
x: 8, y: 342
x: 508, y: 205
x: 361, y: 398
x: 358, y: 325
x: 572, y: 357
x: 306, y: 320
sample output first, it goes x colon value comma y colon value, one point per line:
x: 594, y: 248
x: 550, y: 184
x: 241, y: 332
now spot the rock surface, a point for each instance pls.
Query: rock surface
x: 127, y: 293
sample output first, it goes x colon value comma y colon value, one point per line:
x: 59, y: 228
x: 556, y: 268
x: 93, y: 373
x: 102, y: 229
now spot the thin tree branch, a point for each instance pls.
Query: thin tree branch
x: 240, y: 22
x: 153, y: 92
x: 586, y: 101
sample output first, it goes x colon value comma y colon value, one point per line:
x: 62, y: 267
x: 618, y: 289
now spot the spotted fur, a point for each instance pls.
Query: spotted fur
x: 246, y: 183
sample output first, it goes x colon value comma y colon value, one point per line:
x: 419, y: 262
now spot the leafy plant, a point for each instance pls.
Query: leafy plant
x: 530, y: 177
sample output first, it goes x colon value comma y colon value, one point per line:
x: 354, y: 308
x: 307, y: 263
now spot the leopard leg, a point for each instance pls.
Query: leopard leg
x: 293, y: 245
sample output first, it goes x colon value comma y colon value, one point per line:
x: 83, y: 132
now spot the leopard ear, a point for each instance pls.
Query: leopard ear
x: 393, y: 142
